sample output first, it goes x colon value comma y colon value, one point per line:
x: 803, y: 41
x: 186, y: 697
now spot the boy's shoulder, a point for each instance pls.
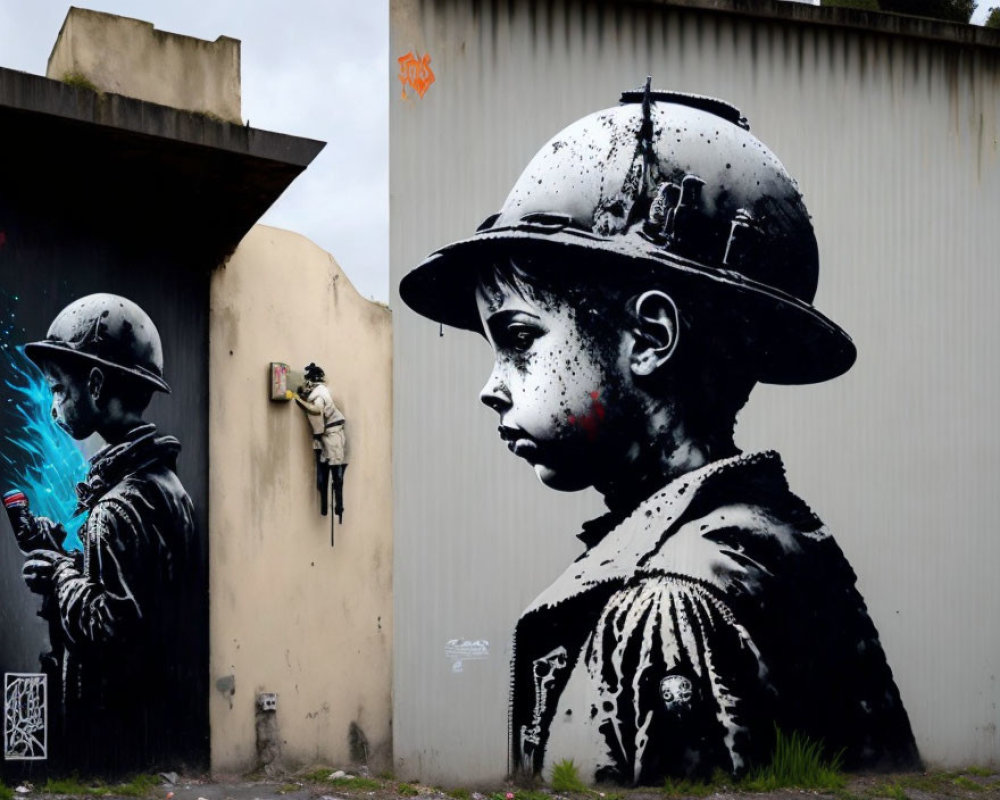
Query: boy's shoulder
x: 137, y: 477
x: 143, y: 486
x: 142, y: 503
x: 733, y: 525
x: 741, y: 530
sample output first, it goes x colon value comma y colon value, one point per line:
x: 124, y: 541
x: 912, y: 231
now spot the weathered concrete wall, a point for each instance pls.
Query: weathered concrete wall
x: 289, y: 613
x: 131, y: 57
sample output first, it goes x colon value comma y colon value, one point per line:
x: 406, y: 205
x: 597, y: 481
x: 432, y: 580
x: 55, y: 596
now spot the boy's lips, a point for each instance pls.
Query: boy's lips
x: 518, y: 442
x: 525, y: 448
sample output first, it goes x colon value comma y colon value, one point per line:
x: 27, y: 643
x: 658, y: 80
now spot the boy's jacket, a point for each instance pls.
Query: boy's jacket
x: 129, y: 609
x: 719, y: 610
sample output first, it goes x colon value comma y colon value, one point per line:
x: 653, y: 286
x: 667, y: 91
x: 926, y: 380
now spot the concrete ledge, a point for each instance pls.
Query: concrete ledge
x: 142, y: 169
x: 35, y: 94
x: 872, y: 21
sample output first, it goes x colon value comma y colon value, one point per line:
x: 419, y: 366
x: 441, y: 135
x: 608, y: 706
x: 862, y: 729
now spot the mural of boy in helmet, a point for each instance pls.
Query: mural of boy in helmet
x: 329, y: 440
x: 118, y: 608
x: 653, y: 263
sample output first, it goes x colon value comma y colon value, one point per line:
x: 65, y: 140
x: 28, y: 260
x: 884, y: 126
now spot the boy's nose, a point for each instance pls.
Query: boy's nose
x: 495, y: 394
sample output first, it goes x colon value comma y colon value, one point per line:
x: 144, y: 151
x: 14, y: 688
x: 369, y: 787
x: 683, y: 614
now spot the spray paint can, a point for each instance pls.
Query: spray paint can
x: 18, y: 512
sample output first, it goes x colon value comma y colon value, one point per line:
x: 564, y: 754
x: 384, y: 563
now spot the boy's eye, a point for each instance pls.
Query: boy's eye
x: 520, y: 337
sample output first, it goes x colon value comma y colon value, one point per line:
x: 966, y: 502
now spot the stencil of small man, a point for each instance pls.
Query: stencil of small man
x: 329, y: 438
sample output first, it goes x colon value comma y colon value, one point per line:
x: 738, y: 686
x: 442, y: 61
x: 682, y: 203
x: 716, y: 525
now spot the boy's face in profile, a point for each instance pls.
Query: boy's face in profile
x: 561, y: 398
x: 74, y: 408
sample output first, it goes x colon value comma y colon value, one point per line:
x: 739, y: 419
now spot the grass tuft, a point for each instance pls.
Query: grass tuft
x: 322, y: 775
x: 531, y: 794
x: 74, y: 786
x: 138, y: 786
x: 79, y: 81
x: 686, y: 787
x: 980, y: 772
x: 459, y: 793
x: 6, y: 793
x: 566, y: 777
x: 968, y: 784
x: 318, y: 775
x: 891, y: 790
x: 797, y: 762
x: 407, y: 790
x: 367, y: 784
x: 929, y: 783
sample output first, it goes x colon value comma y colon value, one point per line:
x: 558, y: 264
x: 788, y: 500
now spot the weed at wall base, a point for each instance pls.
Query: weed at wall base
x: 797, y: 762
x: 566, y: 777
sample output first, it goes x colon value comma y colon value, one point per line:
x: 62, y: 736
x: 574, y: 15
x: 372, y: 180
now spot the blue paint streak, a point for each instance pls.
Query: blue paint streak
x: 40, y: 458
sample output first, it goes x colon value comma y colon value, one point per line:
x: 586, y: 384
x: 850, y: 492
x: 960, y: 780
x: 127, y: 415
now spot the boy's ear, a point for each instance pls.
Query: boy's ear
x: 656, y: 333
x: 95, y: 382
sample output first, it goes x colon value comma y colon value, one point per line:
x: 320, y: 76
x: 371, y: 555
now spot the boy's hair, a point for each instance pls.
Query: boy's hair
x: 133, y: 393
x: 711, y: 372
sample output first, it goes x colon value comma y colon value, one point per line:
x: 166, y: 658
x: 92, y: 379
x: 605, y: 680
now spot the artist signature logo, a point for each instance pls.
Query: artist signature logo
x: 415, y: 73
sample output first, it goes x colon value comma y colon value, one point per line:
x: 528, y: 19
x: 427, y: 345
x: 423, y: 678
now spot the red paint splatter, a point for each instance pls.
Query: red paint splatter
x: 590, y: 422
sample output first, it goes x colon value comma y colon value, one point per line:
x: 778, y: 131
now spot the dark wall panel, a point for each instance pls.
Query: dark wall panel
x: 133, y: 638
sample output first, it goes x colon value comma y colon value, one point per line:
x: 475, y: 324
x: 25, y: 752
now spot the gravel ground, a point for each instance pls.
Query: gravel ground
x: 324, y: 784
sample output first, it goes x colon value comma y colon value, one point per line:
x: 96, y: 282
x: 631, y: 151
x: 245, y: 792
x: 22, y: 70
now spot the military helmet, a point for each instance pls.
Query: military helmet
x: 108, y: 330
x: 670, y: 185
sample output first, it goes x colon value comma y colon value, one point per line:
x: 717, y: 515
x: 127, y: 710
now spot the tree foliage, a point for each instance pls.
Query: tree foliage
x: 993, y: 20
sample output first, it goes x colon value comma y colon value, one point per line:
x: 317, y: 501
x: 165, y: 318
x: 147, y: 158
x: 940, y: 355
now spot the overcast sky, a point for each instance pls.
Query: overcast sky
x: 315, y: 68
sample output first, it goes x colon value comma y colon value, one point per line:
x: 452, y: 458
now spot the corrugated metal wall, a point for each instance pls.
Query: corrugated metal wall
x: 894, y: 141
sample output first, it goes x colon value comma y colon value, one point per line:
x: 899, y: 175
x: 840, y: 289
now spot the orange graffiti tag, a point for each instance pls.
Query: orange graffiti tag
x: 415, y: 73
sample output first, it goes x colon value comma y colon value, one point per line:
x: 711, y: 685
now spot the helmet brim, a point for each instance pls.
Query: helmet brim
x: 48, y: 350
x: 794, y: 343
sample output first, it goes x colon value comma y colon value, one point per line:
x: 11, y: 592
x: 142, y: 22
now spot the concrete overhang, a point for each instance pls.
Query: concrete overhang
x: 876, y: 22
x: 195, y: 183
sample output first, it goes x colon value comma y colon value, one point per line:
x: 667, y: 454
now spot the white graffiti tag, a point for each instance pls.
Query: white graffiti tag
x: 25, y: 716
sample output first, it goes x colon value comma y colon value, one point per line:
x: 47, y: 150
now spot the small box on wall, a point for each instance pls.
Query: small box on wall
x: 283, y: 378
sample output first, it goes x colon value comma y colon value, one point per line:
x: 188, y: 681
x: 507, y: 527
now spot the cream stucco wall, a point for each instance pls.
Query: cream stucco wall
x: 289, y: 613
x: 131, y: 57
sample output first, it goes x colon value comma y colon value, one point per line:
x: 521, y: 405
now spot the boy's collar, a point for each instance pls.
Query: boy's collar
x: 615, y: 555
x: 112, y: 463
